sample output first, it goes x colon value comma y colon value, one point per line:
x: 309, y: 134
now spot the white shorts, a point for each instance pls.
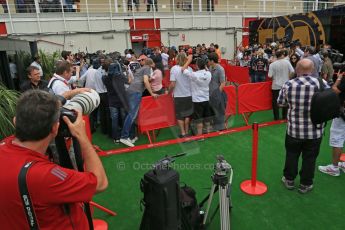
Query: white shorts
x: 337, y: 135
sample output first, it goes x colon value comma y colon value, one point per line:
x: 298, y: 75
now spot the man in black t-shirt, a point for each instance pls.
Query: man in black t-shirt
x: 34, y: 81
x: 260, y: 67
x: 337, y: 133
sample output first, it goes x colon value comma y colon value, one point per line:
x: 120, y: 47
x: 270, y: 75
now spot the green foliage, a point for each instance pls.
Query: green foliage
x: 23, y: 60
x: 8, y: 100
x: 48, y: 63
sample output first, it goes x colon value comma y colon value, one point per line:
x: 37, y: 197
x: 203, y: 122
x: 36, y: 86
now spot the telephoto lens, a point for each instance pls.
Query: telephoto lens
x: 85, y: 102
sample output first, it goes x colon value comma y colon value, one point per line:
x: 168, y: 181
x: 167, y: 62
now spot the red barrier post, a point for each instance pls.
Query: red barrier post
x: 254, y: 187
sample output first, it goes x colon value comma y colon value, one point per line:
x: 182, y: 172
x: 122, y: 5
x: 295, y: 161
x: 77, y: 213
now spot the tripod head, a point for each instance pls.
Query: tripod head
x: 221, y: 171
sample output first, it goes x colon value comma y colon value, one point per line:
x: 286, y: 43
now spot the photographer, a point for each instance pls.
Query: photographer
x: 50, y: 186
x: 59, y: 83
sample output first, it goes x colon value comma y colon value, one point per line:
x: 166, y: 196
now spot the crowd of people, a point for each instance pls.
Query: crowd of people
x: 199, y: 99
x: 295, y: 72
x: 121, y: 82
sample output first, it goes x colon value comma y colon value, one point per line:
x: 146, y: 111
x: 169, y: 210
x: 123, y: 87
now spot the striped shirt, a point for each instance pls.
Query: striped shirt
x: 297, y: 94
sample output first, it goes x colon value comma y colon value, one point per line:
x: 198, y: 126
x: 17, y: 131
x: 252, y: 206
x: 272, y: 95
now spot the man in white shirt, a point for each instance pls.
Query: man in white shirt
x: 280, y: 71
x: 200, y: 81
x: 59, y: 82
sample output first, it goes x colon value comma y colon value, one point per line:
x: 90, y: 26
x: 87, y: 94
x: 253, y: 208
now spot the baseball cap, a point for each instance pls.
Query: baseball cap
x: 128, y: 56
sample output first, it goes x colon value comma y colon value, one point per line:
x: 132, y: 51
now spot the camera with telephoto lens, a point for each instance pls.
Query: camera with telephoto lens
x: 84, y: 102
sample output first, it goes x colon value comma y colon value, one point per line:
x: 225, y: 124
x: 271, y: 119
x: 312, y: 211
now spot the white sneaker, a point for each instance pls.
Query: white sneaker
x: 127, y: 142
x: 342, y: 166
x: 330, y: 170
x: 134, y: 140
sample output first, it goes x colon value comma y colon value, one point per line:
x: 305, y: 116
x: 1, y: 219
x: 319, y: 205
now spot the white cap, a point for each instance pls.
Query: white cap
x: 128, y: 56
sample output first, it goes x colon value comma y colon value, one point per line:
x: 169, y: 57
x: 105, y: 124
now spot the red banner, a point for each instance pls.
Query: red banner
x: 156, y: 113
x: 237, y: 74
x: 230, y: 91
x: 254, y: 97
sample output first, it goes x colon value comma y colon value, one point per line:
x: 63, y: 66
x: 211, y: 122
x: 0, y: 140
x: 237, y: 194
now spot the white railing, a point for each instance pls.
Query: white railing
x: 191, y: 7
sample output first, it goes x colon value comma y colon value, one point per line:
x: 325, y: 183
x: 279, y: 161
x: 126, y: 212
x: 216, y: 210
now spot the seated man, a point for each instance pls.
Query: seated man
x: 56, y: 193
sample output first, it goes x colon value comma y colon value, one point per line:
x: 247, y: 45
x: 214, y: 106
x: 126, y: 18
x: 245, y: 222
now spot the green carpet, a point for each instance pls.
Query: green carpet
x: 277, y: 209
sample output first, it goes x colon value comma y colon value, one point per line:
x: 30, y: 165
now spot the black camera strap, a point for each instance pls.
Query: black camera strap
x: 25, y: 196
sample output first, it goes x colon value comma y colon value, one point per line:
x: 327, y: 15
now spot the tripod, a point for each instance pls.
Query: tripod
x: 222, y: 180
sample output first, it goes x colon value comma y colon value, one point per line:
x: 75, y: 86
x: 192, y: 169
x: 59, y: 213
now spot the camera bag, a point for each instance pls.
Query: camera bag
x: 161, y: 200
x: 325, y: 105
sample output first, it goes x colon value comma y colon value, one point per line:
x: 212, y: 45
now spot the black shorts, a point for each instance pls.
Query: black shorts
x: 202, y: 111
x: 183, y: 107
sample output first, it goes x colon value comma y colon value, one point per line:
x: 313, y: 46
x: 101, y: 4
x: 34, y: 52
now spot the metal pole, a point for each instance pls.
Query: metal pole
x: 192, y: 14
x: 10, y: 16
x: 37, y: 7
x: 124, y: 6
x: 200, y: 5
x: 88, y: 17
x: 116, y: 7
x: 174, y: 16
x: 316, y: 4
x: 63, y: 16
x: 111, y: 15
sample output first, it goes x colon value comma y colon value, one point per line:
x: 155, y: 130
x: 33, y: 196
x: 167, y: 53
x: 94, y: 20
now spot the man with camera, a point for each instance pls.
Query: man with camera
x: 337, y: 132
x: 60, y: 82
x: 55, y: 193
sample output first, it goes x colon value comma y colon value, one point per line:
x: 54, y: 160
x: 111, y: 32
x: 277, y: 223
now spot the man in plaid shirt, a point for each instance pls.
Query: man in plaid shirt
x: 301, y: 136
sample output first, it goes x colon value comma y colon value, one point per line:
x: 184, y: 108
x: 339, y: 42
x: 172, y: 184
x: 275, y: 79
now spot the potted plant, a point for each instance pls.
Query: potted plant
x: 8, y: 101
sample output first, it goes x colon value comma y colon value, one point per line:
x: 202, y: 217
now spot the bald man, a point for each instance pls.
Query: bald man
x: 302, y: 137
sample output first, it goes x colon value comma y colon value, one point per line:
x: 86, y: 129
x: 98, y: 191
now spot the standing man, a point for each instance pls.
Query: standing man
x: 337, y: 133
x: 280, y: 71
x: 302, y: 136
x: 37, y: 63
x: 218, y: 98
x: 135, y: 92
x: 34, y: 81
x: 59, y: 82
x: 51, y: 187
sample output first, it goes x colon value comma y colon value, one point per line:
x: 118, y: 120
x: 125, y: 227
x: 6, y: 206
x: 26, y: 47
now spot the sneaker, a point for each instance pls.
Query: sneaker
x: 134, y: 140
x: 289, y: 184
x: 127, y: 142
x: 330, y: 170
x: 342, y: 166
x: 305, y: 188
x: 116, y: 141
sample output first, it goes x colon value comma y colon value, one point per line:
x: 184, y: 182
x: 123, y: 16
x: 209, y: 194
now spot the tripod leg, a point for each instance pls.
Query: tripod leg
x: 209, y: 203
x: 224, y: 208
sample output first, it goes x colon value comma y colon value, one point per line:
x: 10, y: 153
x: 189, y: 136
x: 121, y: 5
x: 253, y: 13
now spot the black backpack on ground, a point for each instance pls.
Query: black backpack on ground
x: 161, y: 200
x: 325, y: 105
x: 190, y: 209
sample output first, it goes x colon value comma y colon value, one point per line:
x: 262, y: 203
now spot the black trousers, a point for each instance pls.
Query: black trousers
x: 309, y: 148
x: 104, y: 115
x: 275, y: 107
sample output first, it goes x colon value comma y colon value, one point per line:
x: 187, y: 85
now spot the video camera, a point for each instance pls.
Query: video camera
x: 221, y: 167
x: 336, y: 58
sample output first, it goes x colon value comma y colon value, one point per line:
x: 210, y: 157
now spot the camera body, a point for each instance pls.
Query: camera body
x: 63, y: 128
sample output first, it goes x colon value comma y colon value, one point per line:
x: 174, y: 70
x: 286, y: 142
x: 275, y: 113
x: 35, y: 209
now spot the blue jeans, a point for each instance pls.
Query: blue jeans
x: 134, y: 100
x: 116, y: 114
